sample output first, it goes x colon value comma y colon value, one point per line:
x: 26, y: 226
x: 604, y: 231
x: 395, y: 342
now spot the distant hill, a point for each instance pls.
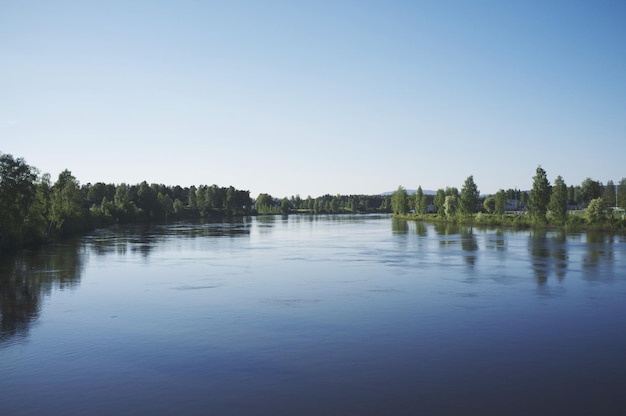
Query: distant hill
x: 412, y: 191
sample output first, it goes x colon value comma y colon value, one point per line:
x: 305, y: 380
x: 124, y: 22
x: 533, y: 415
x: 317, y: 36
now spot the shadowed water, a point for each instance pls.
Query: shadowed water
x: 315, y: 315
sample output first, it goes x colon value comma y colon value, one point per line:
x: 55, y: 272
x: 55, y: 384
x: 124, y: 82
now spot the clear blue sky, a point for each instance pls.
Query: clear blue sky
x: 316, y: 97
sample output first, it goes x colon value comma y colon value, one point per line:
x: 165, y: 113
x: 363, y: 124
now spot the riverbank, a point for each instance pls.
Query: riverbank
x: 575, y: 222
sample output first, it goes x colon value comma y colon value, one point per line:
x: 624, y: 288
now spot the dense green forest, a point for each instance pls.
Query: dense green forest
x: 35, y: 210
x: 591, y: 204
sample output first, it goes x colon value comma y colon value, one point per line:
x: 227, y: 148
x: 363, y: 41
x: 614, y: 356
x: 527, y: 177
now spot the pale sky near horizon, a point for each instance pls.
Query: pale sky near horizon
x: 316, y: 97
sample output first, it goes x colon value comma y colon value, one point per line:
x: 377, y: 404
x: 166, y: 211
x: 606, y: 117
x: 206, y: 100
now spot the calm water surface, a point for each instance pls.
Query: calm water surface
x: 315, y: 315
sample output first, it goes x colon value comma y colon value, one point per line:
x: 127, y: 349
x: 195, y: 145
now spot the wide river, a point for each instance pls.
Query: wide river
x: 324, y: 315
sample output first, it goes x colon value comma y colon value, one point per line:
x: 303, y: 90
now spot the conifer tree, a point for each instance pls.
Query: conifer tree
x: 539, y: 196
x: 469, y: 196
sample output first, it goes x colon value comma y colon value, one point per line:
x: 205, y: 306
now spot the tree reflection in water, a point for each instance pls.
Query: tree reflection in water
x: 497, y: 241
x: 399, y: 226
x: 548, y: 252
x: 599, y: 254
x: 265, y: 223
x: 445, y: 230
x: 469, y: 245
x: 27, y: 277
x: 559, y: 254
x: 538, y: 244
x: 420, y: 229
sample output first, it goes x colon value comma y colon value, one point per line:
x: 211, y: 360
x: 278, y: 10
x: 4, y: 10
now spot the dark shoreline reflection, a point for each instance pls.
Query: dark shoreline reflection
x: 143, y: 239
x: 27, y: 277
x: 233, y: 227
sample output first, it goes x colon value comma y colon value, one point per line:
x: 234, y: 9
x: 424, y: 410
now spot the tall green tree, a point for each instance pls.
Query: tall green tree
x: 265, y: 204
x: 215, y: 198
x: 558, y: 201
x: 590, y: 189
x: 317, y: 208
x: 539, y: 196
x: 450, y: 206
x: 230, y: 201
x: 66, y: 204
x: 500, y: 202
x: 468, y: 199
x: 420, y: 201
x: 400, y: 201
x: 608, y: 196
x: 296, y: 202
x: 17, y: 192
x: 202, y: 199
x: 439, y: 200
x: 125, y: 206
x: 452, y: 191
x: 193, y: 200
x: 571, y: 194
x: 178, y: 208
x: 38, y: 223
x: 122, y: 196
x: 147, y: 201
x: 98, y: 191
x: 335, y: 203
x: 621, y: 194
x: 166, y: 203
x: 285, y: 206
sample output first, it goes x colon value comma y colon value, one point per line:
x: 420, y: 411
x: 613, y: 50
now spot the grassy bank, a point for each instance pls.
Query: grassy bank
x: 575, y: 222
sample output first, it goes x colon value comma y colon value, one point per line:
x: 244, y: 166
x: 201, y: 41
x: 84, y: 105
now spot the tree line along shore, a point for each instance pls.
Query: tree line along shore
x: 34, y: 210
x: 590, y: 205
